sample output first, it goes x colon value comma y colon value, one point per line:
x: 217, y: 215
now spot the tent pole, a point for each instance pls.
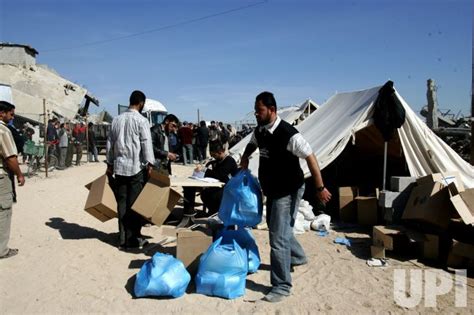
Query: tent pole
x: 384, y: 165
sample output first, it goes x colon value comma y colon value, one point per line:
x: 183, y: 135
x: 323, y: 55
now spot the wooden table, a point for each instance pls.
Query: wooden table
x: 183, y: 181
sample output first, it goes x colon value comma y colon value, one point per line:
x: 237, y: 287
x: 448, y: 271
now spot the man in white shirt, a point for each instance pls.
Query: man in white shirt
x: 282, y: 180
x: 130, y: 158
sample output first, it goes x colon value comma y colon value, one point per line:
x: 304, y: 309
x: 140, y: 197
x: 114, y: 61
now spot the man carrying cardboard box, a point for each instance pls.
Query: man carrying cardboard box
x: 130, y: 157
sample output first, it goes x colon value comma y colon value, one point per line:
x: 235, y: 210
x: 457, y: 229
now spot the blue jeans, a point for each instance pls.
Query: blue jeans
x: 285, y: 249
x: 187, y: 152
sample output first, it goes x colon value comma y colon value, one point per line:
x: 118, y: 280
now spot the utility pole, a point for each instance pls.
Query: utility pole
x: 432, y: 118
x: 199, y: 117
x: 45, y: 145
x: 472, y: 115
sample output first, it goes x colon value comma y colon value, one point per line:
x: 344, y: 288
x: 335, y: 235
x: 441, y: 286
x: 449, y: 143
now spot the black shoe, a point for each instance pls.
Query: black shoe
x: 292, y: 266
x: 11, y: 252
x: 273, y: 297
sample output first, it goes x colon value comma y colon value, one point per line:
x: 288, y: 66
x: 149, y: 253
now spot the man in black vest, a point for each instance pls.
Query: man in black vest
x: 282, y: 180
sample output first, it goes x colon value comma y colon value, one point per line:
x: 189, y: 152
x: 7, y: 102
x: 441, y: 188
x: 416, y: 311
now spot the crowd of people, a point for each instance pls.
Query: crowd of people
x: 191, y: 141
x: 134, y: 149
x: 64, y: 140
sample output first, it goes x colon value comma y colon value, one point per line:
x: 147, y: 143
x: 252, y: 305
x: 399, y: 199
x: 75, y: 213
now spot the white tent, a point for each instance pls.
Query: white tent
x: 333, y: 125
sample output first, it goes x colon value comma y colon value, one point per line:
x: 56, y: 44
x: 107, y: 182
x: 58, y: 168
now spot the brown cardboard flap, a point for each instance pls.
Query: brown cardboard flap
x: 157, y: 199
x: 429, y: 202
x: 191, y: 244
x: 464, y: 205
x: 444, y: 178
x: 347, y: 206
x: 101, y: 202
x: 367, y: 210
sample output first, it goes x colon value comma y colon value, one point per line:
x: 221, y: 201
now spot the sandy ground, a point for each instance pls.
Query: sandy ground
x: 68, y: 263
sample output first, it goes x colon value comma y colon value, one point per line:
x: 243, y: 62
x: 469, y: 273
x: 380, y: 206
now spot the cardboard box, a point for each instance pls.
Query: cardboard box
x: 347, y: 206
x: 463, y: 249
x: 464, y: 205
x: 101, y: 202
x: 430, y: 247
x: 430, y: 202
x: 383, y: 236
x: 460, y: 254
x: 395, y: 237
x: 377, y: 251
x: 190, y: 245
x: 157, y: 199
x: 445, y: 179
x: 367, y: 210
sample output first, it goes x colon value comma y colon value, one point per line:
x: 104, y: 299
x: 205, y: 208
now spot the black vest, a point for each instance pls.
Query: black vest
x: 279, y: 171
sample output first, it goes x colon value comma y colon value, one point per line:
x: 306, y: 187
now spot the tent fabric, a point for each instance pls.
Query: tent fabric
x: 335, y: 123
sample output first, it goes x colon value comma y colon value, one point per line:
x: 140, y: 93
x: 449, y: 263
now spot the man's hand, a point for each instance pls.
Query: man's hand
x: 21, y: 180
x: 244, y: 162
x: 172, y: 156
x: 110, y: 170
x: 149, y: 168
x: 324, y: 196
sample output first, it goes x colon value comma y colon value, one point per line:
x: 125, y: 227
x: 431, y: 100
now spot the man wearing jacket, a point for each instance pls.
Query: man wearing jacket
x: 159, y: 137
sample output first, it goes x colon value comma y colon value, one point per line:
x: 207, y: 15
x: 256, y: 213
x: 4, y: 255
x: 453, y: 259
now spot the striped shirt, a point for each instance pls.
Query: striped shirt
x: 129, y: 146
x: 297, y: 144
x: 7, y: 144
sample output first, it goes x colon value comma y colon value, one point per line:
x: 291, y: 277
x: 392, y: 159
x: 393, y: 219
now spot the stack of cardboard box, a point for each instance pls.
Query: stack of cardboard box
x: 155, y: 203
x: 435, y: 204
x: 355, y: 208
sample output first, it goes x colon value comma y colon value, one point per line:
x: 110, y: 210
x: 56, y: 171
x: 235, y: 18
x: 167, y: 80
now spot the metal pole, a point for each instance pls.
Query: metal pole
x: 45, y: 145
x: 384, y: 165
x: 87, y: 139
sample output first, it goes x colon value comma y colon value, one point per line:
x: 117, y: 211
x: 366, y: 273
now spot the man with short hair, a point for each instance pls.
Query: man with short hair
x: 9, y: 158
x: 185, y: 134
x: 223, y: 167
x: 202, y: 140
x: 282, y: 180
x: 92, y: 153
x: 130, y: 158
x: 161, y: 149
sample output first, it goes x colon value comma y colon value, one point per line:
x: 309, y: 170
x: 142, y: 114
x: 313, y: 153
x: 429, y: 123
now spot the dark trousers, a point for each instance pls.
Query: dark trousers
x: 127, y: 189
x: 211, y: 197
x: 78, y: 153
x: 202, y: 152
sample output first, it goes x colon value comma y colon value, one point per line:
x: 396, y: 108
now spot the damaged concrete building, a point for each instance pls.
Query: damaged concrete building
x: 32, y: 82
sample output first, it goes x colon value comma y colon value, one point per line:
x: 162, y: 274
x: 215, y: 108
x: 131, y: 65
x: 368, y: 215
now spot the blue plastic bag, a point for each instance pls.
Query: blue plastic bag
x: 163, y: 275
x: 241, y: 201
x: 222, y: 271
x: 245, y: 239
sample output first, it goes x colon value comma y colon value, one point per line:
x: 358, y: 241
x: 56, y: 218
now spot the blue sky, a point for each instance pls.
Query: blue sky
x: 202, y: 58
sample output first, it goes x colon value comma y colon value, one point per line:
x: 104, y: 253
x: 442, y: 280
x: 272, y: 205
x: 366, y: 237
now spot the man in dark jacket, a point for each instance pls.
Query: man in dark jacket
x: 202, y: 139
x: 223, y: 167
x: 92, y: 153
x: 159, y: 138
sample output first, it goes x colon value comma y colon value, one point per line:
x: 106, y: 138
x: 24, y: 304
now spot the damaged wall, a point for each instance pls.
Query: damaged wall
x: 33, y: 83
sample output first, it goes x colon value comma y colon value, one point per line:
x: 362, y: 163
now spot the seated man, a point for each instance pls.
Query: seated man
x: 223, y: 167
